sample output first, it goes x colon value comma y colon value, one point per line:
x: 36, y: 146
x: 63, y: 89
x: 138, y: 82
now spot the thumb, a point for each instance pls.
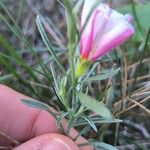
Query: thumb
x: 52, y: 141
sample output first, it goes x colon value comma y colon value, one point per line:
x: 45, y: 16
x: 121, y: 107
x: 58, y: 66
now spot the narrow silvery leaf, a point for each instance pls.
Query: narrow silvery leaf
x: 100, y: 121
x: 103, y: 145
x: 61, y: 117
x: 103, y: 76
x: 39, y: 105
x: 6, y: 77
x: 89, y: 120
x: 97, y: 107
x: 36, y: 104
x: 47, y: 43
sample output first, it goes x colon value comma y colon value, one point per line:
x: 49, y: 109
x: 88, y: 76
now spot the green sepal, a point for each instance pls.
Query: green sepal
x: 82, y: 67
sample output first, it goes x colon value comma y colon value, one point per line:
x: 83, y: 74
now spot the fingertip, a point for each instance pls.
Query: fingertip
x: 30, y: 122
x: 48, y: 142
x: 23, y: 122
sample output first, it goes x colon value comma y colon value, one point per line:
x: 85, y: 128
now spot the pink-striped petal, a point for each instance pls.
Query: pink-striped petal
x: 87, y: 37
x: 112, y: 39
x: 105, y: 29
x: 99, y: 29
x: 88, y: 6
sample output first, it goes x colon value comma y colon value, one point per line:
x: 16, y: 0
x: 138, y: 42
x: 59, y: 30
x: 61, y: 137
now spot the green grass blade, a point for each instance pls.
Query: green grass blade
x: 48, y: 44
x: 16, y: 30
x: 141, y: 60
x: 5, y: 77
x: 17, y: 59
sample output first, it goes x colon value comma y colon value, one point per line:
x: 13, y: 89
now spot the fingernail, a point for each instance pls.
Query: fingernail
x: 56, y: 144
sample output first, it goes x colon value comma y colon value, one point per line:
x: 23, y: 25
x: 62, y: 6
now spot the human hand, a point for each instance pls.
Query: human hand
x: 35, y: 128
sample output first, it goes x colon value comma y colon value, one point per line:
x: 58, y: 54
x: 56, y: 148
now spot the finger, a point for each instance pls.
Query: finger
x: 20, y: 121
x: 49, y: 142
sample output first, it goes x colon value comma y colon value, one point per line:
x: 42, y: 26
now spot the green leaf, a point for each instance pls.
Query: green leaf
x: 57, y: 87
x: 54, y: 77
x: 110, y: 96
x: 61, y: 116
x: 5, y: 62
x: 99, y: 121
x: 5, y: 77
x: 89, y: 120
x: 94, y: 105
x: 13, y: 26
x: 83, y: 131
x: 71, y: 124
x: 36, y: 104
x: 103, y: 76
x: 103, y: 145
x: 16, y: 58
x: 48, y: 44
x: 39, y: 105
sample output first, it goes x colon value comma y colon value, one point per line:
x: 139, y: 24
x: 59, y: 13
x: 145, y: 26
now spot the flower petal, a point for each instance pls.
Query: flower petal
x: 87, y: 37
x: 115, y: 37
x: 87, y: 8
x: 129, y: 18
x: 105, y: 29
x: 100, y: 23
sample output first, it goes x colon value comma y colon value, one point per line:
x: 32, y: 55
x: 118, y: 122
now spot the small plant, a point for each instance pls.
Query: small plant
x: 101, y: 30
x: 98, y: 31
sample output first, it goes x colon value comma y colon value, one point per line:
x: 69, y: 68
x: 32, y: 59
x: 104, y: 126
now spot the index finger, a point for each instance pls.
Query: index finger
x: 22, y: 122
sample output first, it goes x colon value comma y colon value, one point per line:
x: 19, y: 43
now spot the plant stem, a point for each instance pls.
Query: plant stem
x: 72, y: 74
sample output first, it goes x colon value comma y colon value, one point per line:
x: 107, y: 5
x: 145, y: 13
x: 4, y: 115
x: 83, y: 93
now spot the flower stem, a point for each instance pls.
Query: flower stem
x: 72, y: 75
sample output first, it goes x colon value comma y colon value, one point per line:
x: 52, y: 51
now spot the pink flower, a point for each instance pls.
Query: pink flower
x: 105, y: 30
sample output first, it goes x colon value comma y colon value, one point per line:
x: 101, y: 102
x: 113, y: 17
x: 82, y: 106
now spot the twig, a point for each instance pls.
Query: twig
x: 141, y: 106
x: 121, y: 112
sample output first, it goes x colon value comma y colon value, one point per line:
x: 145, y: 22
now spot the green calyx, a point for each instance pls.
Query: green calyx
x: 82, y: 66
